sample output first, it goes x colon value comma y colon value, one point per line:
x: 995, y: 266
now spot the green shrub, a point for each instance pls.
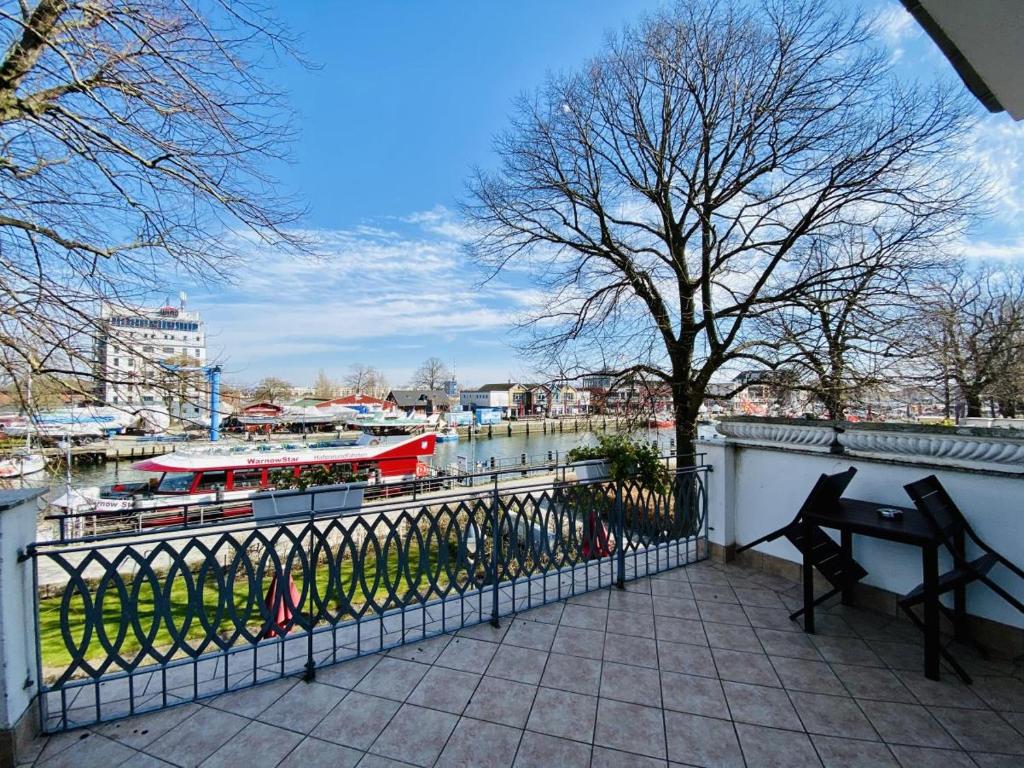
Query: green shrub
x: 628, y: 459
x: 320, y: 474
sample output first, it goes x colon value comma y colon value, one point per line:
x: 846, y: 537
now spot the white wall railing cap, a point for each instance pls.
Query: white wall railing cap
x: 998, y: 449
x: 16, y: 497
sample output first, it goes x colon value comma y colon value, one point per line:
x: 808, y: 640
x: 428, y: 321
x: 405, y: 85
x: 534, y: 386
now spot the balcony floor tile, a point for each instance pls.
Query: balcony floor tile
x: 694, y: 666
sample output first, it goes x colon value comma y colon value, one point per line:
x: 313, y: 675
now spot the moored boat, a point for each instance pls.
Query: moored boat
x: 21, y: 464
x: 196, y: 478
x: 448, y: 434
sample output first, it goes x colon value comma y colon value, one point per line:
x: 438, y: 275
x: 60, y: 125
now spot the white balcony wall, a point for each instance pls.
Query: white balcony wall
x: 757, y: 487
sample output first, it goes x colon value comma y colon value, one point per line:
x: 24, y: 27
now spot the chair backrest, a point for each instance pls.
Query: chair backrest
x: 934, y: 503
x: 827, y: 491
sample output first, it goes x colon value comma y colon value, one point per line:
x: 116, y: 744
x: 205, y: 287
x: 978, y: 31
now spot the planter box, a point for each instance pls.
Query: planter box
x: 345, y: 497
x: 591, y: 469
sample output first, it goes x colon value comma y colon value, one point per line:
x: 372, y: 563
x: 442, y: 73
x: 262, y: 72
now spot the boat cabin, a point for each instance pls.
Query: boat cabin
x: 253, y: 478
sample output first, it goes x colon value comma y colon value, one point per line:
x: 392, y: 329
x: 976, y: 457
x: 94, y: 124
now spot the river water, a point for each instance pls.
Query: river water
x: 470, y: 453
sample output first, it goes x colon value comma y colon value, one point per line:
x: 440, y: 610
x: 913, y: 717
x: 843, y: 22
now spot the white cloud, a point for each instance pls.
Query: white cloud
x: 443, y: 222
x: 1009, y: 250
x: 372, y: 291
x: 895, y: 26
x: 997, y: 149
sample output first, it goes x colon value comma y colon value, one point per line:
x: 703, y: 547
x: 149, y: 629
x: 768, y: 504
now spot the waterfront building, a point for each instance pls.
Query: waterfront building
x: 555, y: 399
x: 538, y: 399
x: 511, y: 397
x: 422, y: 401
x: 133, y: 344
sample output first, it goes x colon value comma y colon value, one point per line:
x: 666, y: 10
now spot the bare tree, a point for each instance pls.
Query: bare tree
x: 134, y: 143
x: 432, y: 374
x: 672, y: 190
x: 845, y: 339
x: 972, y: 332
x: 367, y: 380
x: 272, y: 389
x: 1007, y: 391
x: 324, y: 386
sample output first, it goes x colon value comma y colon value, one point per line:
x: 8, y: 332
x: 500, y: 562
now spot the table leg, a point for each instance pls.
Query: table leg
x: 960, y: 594
x: 808, y: 576
x: 930, y: 566
x: 846, y: 541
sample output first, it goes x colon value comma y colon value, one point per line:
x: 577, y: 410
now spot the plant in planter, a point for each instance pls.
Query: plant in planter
x: 627, y: 460
x: 647, y: 510
x: 337, y: 488
x: 318, y: 474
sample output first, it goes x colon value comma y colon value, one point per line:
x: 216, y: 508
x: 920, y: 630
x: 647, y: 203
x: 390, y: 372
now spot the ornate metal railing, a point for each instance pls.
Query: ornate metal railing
x: 129, y: 623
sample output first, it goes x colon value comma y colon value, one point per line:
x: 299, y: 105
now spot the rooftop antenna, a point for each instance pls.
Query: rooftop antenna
x: 182, y: 298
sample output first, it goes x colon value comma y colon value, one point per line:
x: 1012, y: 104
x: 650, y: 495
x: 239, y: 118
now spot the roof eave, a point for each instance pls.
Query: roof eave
x: 975, y: 83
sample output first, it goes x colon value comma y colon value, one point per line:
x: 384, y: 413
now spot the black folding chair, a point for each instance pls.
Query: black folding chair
x: 838, y: 568
x: 953, y: 530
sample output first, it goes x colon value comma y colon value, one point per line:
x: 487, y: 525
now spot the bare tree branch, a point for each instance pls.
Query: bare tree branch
x: 135, y: 143
x: 670, y: 193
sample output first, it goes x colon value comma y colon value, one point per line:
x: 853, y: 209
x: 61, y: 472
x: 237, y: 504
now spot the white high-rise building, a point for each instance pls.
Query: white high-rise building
x: 131, y: 345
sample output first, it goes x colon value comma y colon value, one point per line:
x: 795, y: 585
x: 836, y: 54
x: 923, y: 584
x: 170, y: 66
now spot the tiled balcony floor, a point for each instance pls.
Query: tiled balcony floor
x: 697, y: 666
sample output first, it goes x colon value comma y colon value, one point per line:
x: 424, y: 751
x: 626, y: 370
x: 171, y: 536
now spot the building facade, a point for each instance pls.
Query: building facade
x: 131, y: 346
x: 422, y: 401
x: 511, y: 398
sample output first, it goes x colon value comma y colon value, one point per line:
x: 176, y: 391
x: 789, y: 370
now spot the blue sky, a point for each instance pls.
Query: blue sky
x: 407, y: 98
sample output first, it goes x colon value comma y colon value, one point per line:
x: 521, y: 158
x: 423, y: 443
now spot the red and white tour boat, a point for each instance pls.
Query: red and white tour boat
x: 198, y: 476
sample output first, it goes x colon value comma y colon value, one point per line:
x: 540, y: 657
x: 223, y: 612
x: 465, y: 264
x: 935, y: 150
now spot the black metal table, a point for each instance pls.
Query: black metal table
x: 855, y: 516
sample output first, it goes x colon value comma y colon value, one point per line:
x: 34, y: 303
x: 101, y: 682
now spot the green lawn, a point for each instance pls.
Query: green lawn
x: 56, y: 656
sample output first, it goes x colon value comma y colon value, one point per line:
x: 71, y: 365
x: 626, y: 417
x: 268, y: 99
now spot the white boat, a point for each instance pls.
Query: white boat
x: 22, y: 463
x: 84, y: 422
x: 191, y: 478
x: 448, y: 435
x: 335, y: 414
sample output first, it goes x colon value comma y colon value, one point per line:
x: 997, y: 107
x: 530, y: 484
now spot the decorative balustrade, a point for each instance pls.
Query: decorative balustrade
x: 142, y: 622
x: 778, y: 432
x: 996, y: 449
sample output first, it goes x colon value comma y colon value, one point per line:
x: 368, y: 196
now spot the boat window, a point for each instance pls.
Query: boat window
x: 248, y: 478
x: 281, y: 476
x: 212, y: 480
x: 175, y: 482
